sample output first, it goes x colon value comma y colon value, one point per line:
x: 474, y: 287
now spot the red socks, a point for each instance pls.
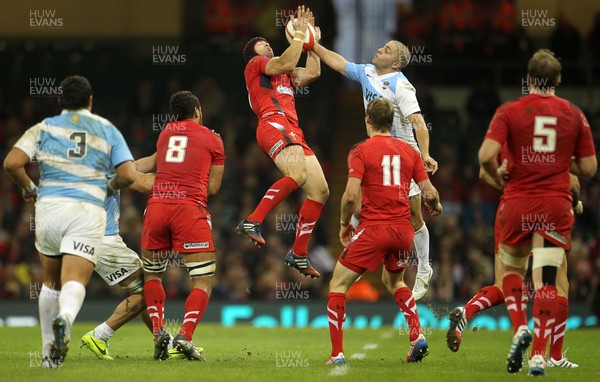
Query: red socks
x: 408, y: 306
x: 486, y: 298
x: 558, y: 333
x: 309, y: 214
x: 195, y: 305
x: 336, y: 313
x: 154, y: 295
x: 544, y: 318
x: 512, y: 286
x: 278, y: 191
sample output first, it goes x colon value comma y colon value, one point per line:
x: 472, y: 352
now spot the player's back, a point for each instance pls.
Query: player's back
x: 185, y: 151
x: 269, y: 95
x: 76, y: 151
x: 543, y: 134
x: 388, y: 166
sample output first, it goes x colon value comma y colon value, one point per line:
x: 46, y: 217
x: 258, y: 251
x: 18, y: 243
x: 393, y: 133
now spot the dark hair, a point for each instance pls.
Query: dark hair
x: 76, y: 93
x: 182, y: 105
x: 248, y: 52
x: 381, y: 113
x: 544, y: 70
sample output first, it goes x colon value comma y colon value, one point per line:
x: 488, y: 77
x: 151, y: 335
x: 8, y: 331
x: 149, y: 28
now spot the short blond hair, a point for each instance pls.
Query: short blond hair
x: 403, y: 54
x: 544, y: 70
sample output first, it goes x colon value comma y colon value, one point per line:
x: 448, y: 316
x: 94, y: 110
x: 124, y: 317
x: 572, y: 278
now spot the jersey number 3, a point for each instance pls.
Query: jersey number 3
x: 391, y: 170
x: 176, y: 149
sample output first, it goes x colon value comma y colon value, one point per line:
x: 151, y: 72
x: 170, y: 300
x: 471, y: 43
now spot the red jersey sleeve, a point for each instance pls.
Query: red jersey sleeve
x: 419, y: 172
x: 585, y: 142
x: 259, y: 63
x: 356, y: 164
x: 498, y: 129
x: 218, y: 153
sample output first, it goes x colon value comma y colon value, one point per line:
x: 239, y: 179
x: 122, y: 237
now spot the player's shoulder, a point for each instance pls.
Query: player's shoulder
x: 358, y: 146
x: 254, y: 61
x: 402, y: 83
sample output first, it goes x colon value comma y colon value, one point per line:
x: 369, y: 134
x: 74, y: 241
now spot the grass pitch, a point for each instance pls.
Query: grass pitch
x: 244, y: 353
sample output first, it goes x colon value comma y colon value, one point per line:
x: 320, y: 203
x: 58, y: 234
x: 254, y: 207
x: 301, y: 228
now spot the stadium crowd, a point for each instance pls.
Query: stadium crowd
x: 461, y: 239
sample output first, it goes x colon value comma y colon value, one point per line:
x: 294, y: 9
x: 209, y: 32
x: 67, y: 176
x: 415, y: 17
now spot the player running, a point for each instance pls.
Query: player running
x: 384, y: 78
x: 492, y: 295
x: 543, y: 133
x: 382, y: 167
x: 118, y: 264
x: 189, y: 164
x: 271, y: 82
x: 77, y: 151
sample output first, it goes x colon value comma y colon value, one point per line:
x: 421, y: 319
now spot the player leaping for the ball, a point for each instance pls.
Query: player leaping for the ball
x: 384, y: 79
x: 270, y: 82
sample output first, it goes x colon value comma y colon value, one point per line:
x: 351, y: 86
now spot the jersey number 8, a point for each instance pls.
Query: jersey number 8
x: 176, y: 149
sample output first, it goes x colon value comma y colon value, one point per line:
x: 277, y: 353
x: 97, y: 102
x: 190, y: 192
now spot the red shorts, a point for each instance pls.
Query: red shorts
x: 276, y: 132
x: 551, y: 217
x: 373, y: 245
x: 184, y: 228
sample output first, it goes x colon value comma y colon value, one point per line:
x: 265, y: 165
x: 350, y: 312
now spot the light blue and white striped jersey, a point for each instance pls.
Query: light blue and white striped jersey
x: 113, y: 212
x: 76, y: 151
x: 394, y: 87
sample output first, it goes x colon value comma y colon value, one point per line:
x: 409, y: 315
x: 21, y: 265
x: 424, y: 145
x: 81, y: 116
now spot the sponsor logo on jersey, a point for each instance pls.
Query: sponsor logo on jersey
x: 277, y: 145
x: 203, y: 244
x: 285, y: 90
x: 117, y: 274
x: 87, y: 249
x: 370, y: 96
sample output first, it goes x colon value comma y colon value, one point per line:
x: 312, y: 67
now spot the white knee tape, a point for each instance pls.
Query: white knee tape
x: 201, y: 268
x: 154, y: 265
x: 513, y: 261
x: 136, y: 286
x: 548, y: 257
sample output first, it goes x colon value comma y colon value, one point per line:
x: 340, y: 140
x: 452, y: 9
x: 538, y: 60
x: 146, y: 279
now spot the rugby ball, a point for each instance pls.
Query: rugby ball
x: 309, y: 39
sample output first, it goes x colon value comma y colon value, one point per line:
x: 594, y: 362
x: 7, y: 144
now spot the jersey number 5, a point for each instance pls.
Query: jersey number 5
x: 541, y: 132
x: 176, y: 149
x: 391, y: 163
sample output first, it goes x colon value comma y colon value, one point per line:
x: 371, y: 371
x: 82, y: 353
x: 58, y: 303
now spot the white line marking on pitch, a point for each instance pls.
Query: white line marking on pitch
x: 370, y: 346
x: 358, y: 356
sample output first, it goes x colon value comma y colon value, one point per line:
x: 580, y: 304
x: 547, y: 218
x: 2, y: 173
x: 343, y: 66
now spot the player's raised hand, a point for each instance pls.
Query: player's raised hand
x: 300, y: 23
x: 311, y: 20
x: 346, y: 233
x: 430, y: 164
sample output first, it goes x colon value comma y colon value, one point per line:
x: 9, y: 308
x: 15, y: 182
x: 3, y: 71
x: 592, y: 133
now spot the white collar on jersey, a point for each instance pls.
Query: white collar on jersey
x: 79, y: 111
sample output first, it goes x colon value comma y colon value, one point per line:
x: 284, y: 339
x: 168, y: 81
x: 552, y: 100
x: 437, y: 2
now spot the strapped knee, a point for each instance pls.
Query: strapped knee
x: 201, y: 268
x: 154, y: 265
x: 513, y: 261
x: 548, y: 257
x: 136, y: 286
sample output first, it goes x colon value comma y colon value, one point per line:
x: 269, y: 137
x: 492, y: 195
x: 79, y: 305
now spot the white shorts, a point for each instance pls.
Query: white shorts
x: 64, y: 226
x: 414, y: 189
x: 116, y: 261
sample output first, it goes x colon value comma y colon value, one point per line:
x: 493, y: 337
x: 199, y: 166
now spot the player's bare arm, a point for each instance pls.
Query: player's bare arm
x: 143, y: 182
x: 502, y: 173
x: 431, y: 197
x: 332, y: 59
x: 14, y: 165
x: 312, y: 71
x: 418, y: 122
x: 488, y: 153
x: 288, y: 60
x: 350, y: 200
x: 126, y: 174
x: 585, y: 167
x: 146, y: 164
x: 215, y: 177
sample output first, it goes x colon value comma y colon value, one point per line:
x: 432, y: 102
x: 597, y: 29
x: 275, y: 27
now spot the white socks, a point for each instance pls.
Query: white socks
x: 421, y: 243
x: 71, y: 299
x: 48, y: 307
x: 103, y: 332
